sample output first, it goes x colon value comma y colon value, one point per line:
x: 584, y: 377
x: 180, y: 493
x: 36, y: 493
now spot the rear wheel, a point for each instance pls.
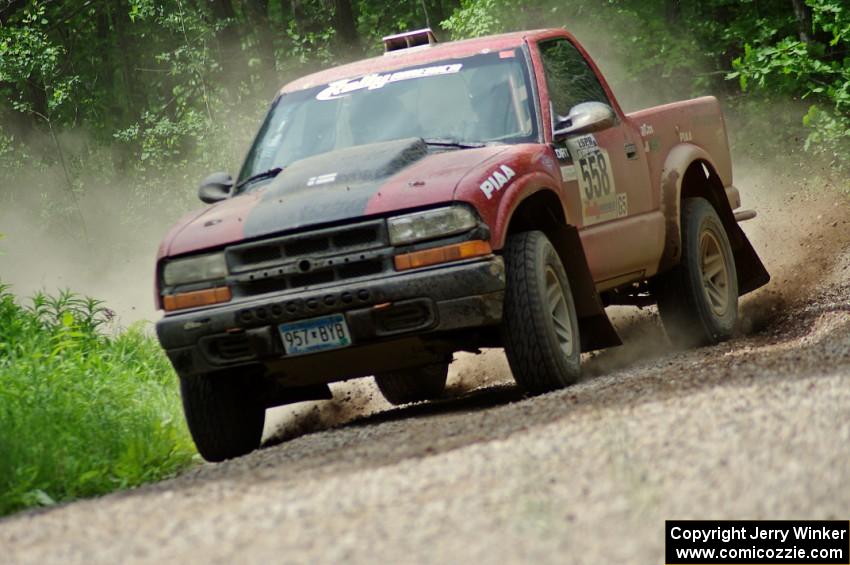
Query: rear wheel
x: 698, y: 299
x: 539, y: 327
x: 225, y: 413
x: 413, y: 385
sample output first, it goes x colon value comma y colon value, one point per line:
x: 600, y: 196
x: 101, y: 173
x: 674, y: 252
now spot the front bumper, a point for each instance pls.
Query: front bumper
x: 394, y: 321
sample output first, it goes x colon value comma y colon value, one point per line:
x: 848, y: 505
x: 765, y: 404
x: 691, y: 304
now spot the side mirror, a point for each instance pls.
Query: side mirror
x: 586, y: 117
x: 215, y: 188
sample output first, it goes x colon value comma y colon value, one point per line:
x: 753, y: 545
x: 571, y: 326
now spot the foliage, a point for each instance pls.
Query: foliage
x: 476, y: 18
x: 29, y: 61
x: 309, y: 46
x: 813, y: 65
x: 81, y: 412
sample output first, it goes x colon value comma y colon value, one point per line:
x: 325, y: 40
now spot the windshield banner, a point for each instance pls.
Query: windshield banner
x: 345, y: 87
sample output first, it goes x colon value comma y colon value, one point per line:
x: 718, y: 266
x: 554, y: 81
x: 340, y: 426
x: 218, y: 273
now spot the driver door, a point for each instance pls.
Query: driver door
x: 605, y: 174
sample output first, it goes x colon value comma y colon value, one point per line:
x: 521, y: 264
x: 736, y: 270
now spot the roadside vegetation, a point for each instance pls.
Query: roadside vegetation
x: 82, y: 412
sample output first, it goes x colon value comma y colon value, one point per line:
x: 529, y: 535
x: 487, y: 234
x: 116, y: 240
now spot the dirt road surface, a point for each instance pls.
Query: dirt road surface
x: 756, y: 428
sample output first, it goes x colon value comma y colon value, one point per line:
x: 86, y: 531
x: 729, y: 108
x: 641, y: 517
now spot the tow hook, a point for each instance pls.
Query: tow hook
x: 744, y: 215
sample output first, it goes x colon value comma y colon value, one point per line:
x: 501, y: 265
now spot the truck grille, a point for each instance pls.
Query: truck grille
x: 309, y: 259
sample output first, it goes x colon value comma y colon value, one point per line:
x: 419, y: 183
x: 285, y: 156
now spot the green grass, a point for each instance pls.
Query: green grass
x: 82, y: 412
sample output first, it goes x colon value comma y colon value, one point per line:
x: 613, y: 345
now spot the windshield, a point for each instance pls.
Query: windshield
x: 478, y: 99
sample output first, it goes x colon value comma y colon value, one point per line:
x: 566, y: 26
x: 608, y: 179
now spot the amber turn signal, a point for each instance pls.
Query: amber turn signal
x: 454, y: 252
x: 196, y: 298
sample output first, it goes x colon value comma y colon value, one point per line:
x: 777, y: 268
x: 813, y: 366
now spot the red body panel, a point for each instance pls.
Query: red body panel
x: 214, y: 227
x: 430, y: 181
x: 698, y: 122
x: 535, y: 169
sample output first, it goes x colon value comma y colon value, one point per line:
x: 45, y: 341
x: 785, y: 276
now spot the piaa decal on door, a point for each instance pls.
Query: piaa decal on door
x: 599, y: 202
x: 495, y: 182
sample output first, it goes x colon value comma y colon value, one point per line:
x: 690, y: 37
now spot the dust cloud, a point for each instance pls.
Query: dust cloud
x: 101, y: 239
x: 803, y: 236
x: 98, y: 252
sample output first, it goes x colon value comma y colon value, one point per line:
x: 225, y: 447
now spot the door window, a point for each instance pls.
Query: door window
x: 569, y: 77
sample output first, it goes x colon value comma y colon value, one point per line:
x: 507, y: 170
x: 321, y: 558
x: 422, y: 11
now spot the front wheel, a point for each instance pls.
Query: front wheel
x: 224, y: 412
x: 698, y: 299
x: 539, y: 325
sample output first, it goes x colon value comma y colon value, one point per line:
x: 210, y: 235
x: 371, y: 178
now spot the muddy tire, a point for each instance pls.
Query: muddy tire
x: 698, y: 299
x: 225, y: 414
x: 539, y: 326
x: 413, y: 385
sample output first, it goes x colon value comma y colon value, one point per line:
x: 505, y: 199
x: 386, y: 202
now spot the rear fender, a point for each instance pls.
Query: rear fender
x: 672, y: 176
x: 689, y: 171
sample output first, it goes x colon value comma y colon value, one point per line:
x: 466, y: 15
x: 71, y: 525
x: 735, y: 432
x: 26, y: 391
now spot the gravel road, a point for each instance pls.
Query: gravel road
x: 756, y: 428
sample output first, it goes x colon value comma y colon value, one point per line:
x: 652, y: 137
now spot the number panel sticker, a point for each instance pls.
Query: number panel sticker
x: 599, y: 199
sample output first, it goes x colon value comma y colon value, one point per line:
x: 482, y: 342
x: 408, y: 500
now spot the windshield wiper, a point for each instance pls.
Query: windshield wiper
x: 269, y: 174
x: 451, y: 142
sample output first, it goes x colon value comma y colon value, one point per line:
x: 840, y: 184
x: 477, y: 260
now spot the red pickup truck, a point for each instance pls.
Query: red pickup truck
x: 442, y: 198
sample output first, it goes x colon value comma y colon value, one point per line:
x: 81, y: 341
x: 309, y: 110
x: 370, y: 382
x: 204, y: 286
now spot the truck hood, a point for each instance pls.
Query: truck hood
x: 341, y: 185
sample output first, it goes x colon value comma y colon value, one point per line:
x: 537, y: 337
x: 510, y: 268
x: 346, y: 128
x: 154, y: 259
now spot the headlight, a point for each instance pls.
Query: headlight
x: 195, y: 269
x: 431, y: 224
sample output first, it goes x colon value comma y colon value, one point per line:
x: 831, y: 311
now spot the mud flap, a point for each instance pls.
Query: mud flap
x: 595, y: 328
x: 752, y: 273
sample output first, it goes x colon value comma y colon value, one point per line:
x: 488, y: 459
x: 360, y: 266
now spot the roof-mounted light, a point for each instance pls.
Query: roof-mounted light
x: 409, y: 39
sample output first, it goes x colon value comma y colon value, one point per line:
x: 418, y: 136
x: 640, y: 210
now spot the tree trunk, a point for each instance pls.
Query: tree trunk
x: 258, y: 18
x: 344, y: 22
x: 804, y: 24
x: 70, y: 184
x: 299, y: 16
x: 229, y: 40
x: 437, y: 13
x: 123, y: 43
x: 673, y: 11
x: 9, y: 8
x: 223, y: 9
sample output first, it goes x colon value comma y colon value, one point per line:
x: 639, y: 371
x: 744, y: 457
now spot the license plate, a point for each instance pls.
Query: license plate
x: 314, y: 335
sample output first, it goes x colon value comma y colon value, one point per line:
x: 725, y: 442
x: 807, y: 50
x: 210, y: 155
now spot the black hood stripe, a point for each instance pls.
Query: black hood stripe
x: 330, y: 187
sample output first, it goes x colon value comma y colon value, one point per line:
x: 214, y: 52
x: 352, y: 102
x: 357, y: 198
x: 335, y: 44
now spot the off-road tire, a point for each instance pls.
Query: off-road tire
x: 540, y: 359
x: 224, y: 412
x: 413, y: 385
x: 698, y: 299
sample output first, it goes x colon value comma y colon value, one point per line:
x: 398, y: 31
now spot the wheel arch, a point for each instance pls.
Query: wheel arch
x: 690, y: 172
x: 539, y: 209
x: 542, y: 209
